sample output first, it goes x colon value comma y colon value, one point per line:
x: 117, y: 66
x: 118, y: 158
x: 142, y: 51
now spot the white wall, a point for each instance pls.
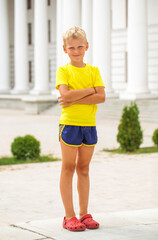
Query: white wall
x: 119, y: 14
x: 153, y: 45
x: 119, y: 45
x: 152, y: 12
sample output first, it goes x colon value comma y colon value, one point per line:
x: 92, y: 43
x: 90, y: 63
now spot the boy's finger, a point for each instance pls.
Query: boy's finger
x: 61, y: 102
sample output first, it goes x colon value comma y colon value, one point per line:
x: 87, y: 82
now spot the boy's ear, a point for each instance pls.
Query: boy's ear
x: 64, y: 48
x: 87, y: 46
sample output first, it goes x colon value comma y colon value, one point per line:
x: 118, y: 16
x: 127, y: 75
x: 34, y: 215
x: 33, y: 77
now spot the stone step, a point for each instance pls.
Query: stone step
x: 112, y: 109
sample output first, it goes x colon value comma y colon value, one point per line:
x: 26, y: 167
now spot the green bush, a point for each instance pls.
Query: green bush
x: 155, y: 137
x: 26, y: 147
x: 130, y: 135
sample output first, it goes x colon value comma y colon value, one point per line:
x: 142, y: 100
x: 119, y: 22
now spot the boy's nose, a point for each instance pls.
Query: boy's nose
x: 76, y: 50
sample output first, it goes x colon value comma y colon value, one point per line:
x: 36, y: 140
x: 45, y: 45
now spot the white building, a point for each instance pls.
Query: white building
x: 123, y: 38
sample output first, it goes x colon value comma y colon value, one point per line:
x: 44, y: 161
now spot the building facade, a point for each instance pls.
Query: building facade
x: 122, y: 34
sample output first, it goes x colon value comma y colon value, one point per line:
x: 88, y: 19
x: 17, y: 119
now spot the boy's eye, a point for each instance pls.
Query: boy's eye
x: 80, y: 47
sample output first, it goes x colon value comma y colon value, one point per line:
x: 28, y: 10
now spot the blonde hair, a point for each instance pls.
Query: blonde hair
x: 74, y: 32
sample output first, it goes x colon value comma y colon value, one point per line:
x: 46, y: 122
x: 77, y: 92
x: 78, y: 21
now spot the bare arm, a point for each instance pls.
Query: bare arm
x: 96, y: 98
x: 73, y: 95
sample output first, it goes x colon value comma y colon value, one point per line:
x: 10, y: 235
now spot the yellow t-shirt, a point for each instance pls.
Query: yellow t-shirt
x: 79, y: 78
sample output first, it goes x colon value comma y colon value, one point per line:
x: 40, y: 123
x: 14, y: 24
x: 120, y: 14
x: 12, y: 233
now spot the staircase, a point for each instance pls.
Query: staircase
x: 112, y: 109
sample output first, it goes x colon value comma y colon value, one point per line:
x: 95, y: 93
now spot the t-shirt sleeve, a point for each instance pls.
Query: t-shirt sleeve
x: 61, y: 77
x: 98, y: 81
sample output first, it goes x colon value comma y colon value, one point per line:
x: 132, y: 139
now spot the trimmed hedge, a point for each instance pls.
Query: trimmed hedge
x: 155, y: 137
x: 27, y: 147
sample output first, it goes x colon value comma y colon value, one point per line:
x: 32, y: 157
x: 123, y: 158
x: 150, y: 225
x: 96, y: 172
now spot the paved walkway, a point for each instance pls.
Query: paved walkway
x: 124, y: 188
x: 127, y: 225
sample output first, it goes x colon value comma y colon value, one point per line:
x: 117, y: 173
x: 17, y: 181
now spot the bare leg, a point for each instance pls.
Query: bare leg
x: 82, y: 167
x: 67, y: 171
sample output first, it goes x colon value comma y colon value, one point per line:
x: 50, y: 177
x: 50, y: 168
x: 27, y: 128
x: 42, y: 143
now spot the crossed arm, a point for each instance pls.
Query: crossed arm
x: 83, y: 96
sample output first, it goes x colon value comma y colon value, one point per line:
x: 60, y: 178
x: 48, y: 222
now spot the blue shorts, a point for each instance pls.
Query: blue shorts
x: 77, y: 135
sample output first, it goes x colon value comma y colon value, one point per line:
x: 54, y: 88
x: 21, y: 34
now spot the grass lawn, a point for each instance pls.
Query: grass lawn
x: 12, y: 160
x: 139, y: 151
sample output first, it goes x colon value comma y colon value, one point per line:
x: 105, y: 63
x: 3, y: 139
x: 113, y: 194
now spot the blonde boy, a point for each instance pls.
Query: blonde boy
x: 81, y: 88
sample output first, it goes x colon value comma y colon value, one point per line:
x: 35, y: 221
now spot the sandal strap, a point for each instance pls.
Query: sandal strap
x: 85, y: 217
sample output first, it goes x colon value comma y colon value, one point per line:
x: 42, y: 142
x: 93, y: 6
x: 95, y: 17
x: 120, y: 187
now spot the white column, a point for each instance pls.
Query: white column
x: 41, y: 49
x: 71, y: 12
x: 59, y: 40
x: 59, y: 27
x: 86, y: 22
x: 20, y: 47
x: 137, y: 50
x: 102, y: 39
x: 4, y: 48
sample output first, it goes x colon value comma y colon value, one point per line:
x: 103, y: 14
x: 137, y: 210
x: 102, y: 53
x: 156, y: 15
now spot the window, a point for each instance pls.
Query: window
x: 126, y: 13
x: 126, y: 66
x: 49, y: 69
x: 49, y: 2
x: 49, y: 31
x: 29, y: 5
x: 30, y: 72
x: 29, y: 33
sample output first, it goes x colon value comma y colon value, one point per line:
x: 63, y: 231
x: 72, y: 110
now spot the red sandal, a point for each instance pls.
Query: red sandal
x: 73, y: 224
x: 89, y: 222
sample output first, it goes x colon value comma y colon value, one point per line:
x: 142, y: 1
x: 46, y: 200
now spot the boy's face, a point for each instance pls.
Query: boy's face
x: 75, y: 48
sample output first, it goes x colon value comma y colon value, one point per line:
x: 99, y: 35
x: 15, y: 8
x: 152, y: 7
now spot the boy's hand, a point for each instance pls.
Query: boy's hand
x: 64, y: 104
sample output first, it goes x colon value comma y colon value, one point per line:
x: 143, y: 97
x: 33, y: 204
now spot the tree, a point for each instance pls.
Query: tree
x: 130, y: 135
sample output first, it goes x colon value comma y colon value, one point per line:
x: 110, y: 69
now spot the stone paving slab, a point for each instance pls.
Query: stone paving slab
x: 13, y: 233
x: 126, y: 225
x: 118, y: 183
x: 44, y: 127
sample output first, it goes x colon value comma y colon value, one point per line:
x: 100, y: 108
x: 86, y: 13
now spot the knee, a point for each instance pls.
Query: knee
x: 82, y: 170
x: 68, y: 168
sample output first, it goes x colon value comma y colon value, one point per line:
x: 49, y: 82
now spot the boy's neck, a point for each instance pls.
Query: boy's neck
x: 78, y: 64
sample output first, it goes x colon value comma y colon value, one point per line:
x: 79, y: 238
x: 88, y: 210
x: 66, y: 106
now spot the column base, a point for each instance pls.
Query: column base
x: 19, y: 91
x: 134, y: 96
x: 55, y: 93
x: 4, y: 91
x: 37, y: 104
x: 111, y: 94
x: 39, y: 92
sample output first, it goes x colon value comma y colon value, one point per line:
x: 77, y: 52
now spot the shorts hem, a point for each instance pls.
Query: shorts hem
x: 69, y: 144
x: 89, y: 145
